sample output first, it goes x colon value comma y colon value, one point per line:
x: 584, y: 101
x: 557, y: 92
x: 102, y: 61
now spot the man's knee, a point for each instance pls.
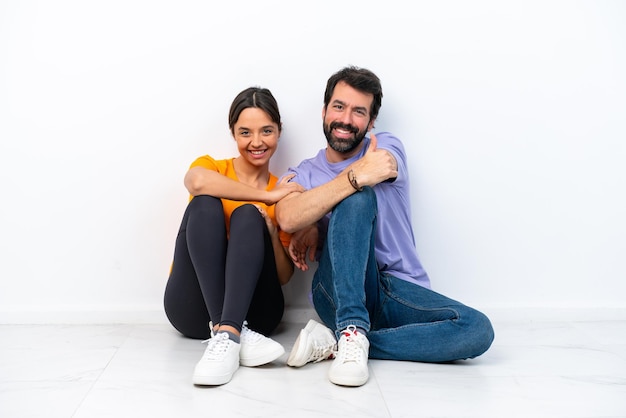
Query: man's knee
x: 359, y: 202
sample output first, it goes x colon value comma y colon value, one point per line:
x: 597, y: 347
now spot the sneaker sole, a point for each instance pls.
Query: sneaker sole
x: 349, y: 381
x: 297, y: 356
x: 259, y: 361
x: 212, y: 380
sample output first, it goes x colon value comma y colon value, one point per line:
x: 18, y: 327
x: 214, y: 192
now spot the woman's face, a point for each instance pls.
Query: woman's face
x: 256, y: 135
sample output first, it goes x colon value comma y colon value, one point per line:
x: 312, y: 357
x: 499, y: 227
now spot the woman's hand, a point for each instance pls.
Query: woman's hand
x: 282, y: 189
x: 268, y: 221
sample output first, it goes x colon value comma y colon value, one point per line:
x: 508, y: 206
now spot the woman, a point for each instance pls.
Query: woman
x: 230, y: 258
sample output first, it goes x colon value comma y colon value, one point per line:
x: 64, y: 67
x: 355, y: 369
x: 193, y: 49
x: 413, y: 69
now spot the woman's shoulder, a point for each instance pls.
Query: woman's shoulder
x: 211, y: 163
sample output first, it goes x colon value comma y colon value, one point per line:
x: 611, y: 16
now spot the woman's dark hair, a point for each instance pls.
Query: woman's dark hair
x: 360, y: 79
x: 254, y: 97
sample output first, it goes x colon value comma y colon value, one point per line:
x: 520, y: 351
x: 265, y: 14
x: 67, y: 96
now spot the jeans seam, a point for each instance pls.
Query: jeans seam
x: 411, y: 305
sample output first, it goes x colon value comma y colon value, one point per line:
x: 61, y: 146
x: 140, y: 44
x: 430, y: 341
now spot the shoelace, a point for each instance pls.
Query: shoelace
x: 351, y: 348
x: 322, y: 352
x: 217, y: 347
x: 248, y: 335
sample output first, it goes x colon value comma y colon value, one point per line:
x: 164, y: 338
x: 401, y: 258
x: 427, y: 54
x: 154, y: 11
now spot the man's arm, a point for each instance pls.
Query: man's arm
x: 298, y: 210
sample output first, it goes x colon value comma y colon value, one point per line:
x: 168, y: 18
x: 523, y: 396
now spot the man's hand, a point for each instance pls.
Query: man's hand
x: 302, y: 242
x: 376, y: 165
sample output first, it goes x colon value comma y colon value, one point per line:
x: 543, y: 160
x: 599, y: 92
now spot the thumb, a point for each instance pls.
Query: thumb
x: 373, y: 143
x: 287, y: 178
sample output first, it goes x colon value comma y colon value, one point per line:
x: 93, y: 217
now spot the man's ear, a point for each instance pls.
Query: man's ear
x: 370, y: 125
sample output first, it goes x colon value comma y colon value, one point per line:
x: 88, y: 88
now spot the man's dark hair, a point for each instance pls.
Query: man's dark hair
x: 360, y: 79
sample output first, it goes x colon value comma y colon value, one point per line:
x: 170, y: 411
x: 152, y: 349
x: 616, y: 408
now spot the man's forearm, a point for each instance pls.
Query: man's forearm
x: 298, y: 210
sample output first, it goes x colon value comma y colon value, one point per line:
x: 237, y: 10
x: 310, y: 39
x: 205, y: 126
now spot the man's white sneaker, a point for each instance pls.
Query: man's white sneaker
x: 219, y: 362
x: 350, y: 366
x: 257, y: 349
x: 314, y: 343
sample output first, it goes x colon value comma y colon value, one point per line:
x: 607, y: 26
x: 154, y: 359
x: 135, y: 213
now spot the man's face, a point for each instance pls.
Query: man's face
x: 346, y: 119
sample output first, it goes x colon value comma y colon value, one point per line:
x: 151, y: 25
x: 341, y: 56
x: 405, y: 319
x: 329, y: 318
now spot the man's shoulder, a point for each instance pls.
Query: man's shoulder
x: 387, y: 140
x: 305, y: 166
x: 312, y: 161
x: 386, y: 136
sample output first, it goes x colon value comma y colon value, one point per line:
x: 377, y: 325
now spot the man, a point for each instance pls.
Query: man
x: 369, y: 287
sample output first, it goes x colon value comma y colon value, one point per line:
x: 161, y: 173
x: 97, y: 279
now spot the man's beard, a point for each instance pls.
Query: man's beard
x: 343, y: 145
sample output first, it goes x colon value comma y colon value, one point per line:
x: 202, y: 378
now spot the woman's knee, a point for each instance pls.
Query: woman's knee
x: 247, y: 211
x: 246, y: 217
x: 206, y: 203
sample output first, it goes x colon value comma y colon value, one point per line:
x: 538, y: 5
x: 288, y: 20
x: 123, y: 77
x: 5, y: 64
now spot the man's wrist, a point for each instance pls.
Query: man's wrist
x: 353, y: 181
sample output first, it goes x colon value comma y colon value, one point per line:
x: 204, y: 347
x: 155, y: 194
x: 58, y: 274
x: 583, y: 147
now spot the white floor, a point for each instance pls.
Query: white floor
x: 534, y: 369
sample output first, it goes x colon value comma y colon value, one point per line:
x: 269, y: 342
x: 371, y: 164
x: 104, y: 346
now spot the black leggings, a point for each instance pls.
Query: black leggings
x: 219, y: 279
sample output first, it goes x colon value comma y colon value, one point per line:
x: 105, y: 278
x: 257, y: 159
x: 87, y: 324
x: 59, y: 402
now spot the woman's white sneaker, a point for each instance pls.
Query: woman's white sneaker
x: 314, y: 343
x: 350, y: 366
x: 219, y: 361
x: 257, y: 349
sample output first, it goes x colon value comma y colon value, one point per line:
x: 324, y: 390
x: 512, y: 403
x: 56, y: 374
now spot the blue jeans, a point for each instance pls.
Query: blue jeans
x: 403, y: 320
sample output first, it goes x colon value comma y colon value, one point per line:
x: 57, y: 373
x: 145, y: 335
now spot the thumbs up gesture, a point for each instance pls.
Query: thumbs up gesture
x: 376, y: 165
x: 373, y: 144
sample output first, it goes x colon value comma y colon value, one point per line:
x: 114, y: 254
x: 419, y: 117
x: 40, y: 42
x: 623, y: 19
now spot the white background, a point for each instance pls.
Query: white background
x: 512, y: 114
